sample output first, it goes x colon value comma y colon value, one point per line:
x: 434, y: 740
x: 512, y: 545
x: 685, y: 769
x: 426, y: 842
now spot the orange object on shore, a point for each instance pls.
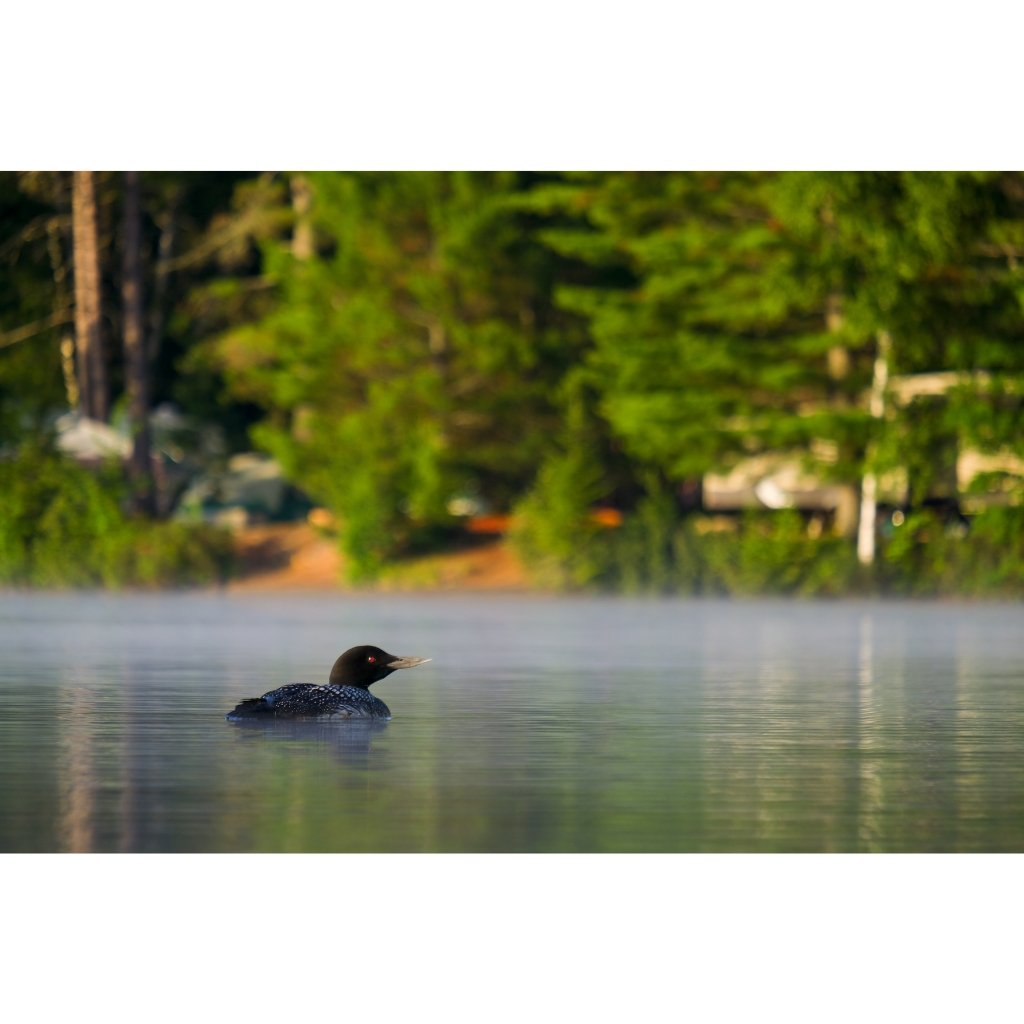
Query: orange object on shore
x: 488, y: 524
x: 607, y: 516
x: 497, y: 524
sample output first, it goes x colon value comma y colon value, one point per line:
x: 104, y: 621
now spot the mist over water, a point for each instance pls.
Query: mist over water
x: 541, y: 724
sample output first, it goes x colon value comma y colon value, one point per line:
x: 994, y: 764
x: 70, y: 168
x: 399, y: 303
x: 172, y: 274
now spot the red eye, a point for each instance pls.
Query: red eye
x: 371, y: 659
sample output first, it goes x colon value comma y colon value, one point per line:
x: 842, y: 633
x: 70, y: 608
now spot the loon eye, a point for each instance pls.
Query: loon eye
x: 370, y: 658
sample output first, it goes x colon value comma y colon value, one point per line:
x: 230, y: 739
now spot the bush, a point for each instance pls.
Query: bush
x: 644, y: 553
x: 764, y: 552
x: 928, y: 556
x: 657, y: 551
x: 773, y: 553
x: 553, y: 531
x: 63, y: 526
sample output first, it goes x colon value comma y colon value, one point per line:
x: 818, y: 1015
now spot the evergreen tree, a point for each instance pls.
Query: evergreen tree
x: 733, y: 314
x: 710, y: 340
x: 409, y: 356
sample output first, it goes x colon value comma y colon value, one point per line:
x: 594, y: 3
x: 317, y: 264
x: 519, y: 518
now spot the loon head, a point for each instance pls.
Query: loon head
x: 364, y: 666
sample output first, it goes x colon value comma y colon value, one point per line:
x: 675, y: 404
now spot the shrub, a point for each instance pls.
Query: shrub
x: 553, y: 531
x: 772, y: 553
x: 63, y: 526
x: 981, y: 558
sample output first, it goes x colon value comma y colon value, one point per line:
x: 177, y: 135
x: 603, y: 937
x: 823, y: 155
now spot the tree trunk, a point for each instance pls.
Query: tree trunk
x: 869, y: 484
x: 302, y: 202
x: 135, y: 362
x: 55, y: 246
x: 161, y: 275
x: 837, y: 362
x: 868, y: 514
x: 92, y: 371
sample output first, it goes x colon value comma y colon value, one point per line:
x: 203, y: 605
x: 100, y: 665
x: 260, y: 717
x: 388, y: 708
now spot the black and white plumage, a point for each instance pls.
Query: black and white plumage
x: 345, y: 695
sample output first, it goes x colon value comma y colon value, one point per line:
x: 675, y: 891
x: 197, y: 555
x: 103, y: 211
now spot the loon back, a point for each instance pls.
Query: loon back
x: 307, y: 700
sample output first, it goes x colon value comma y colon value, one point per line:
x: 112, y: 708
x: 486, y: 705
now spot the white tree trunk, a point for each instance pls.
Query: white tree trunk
x: 868, y: 512
x: 869, y: 484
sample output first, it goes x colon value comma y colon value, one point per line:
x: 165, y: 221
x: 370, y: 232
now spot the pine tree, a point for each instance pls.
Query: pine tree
x: 735, y: 314
x: 405, y: 356
x: 91, y: 359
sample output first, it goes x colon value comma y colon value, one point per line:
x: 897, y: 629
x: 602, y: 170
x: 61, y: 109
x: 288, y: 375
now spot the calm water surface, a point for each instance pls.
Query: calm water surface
x: 541, y: 725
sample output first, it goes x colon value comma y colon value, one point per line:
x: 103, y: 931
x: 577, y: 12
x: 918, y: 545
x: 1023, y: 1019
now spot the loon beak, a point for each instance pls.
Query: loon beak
x: 406, y: 662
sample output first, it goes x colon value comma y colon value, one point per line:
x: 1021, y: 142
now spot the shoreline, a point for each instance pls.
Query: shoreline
x: 291, y: 557
x: 299, y: 559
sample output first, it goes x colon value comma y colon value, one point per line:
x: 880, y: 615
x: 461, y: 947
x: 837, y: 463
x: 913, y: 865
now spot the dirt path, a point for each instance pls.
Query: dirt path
x: 295, y: 556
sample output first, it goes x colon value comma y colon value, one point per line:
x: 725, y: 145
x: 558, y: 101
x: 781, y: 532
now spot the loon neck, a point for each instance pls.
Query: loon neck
x: 338, y: 679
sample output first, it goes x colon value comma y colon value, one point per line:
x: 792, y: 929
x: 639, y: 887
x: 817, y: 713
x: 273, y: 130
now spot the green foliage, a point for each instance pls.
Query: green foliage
x: 929, y: 556
x: 738, y: 313
x: 655, y: 551
x: 545, y: 342
x: 773, y: 553
x: 700, y: 316
x: 647, y: 554
x: 763, y: 553
x: 63, y: 526
x: 554, y: 532
x: 409, y: 356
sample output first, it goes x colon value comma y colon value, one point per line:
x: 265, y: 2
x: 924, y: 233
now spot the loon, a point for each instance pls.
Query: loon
x: 346, y: 695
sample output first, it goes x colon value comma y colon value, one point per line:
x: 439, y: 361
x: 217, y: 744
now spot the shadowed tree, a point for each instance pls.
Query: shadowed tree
x: 88, y: 338
x: 136, y: 361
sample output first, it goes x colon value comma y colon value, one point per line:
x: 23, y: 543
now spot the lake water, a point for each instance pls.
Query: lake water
x: 542, y: 724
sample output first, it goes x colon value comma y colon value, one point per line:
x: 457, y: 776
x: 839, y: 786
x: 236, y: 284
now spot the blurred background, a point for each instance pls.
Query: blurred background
x: 695, y: 383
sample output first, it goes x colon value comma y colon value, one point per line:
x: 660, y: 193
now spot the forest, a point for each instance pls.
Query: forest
x: 655, y: 382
